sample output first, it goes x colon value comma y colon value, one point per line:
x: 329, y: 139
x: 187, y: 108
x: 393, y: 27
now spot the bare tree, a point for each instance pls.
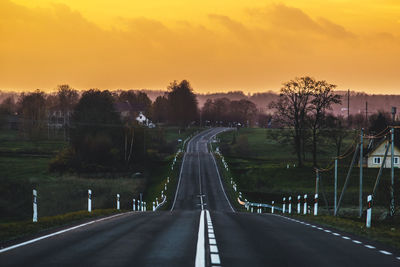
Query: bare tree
x: 322, y: 99
x: 292, y: 107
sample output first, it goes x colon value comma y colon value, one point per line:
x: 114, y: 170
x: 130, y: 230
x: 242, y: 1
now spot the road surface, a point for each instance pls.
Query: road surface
x: 201, y: 229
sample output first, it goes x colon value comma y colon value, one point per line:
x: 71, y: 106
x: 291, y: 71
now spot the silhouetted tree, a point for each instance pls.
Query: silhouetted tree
x: 160, y: 109
x: 322, y: 99
x: 292, y: 107
x: 97, y: 133
x: 379, y: 122
x: 182, y: 103
x: 33, y: 111
x: 336, y: 131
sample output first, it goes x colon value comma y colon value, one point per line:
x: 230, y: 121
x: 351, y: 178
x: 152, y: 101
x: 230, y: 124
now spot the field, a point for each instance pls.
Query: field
x: 258, y: 164
x: 259, y: 168
x: 24, y: 166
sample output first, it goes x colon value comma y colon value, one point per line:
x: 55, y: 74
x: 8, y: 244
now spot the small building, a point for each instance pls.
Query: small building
x: 375, y: 155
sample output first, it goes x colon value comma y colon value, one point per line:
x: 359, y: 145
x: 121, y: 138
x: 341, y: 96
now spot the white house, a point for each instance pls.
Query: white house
x: 374, y: 157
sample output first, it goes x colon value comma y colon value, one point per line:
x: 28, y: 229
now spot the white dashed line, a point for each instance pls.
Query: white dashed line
x: 214, y: 256
x: 213, y: 249
x: 337, y: 234
x: 215, y: 259
x: 385, y: 252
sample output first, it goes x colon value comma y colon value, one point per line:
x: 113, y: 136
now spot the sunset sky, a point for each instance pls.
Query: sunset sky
x: 223, y: 45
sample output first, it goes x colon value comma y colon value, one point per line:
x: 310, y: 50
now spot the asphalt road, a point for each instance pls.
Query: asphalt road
x: 201, y: 229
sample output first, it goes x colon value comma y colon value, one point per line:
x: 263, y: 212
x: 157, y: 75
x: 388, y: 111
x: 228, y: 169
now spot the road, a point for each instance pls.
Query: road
x: 201, y: 229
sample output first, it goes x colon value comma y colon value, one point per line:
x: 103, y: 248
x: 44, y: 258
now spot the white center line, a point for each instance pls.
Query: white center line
x: 200, y: 252
x: 369, y: 246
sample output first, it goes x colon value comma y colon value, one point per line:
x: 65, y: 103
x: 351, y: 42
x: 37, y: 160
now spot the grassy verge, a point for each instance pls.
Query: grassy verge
x: 14, y: 230
x: 258, y: 165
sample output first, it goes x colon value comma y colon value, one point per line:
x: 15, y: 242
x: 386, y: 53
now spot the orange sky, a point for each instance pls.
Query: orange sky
x: 222, y: 45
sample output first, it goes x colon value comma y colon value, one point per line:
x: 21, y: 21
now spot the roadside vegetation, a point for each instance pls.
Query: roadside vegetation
x: 258, y: 163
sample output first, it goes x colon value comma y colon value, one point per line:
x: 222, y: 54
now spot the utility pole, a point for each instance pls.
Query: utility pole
x: 335, y: 199
x: 361, y: 170
x: 392, y: 207
x: 348, y: 104
x: 366, y: 113
x: 317, y: 182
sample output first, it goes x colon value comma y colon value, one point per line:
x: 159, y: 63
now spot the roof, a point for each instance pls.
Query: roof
x: 376, y: 143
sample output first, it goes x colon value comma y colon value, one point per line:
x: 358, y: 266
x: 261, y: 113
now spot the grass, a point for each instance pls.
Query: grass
x: 59, y: 194
x: 14, y: 230
x: 258, y: 165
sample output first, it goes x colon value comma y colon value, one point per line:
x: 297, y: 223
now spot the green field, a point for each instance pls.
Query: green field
x: 258, y: 164
x: 24, y: 166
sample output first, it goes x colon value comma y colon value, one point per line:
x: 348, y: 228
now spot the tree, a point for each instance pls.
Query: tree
x: 97, y: 133
x: 137, y: 99
x: 292, y: 107
x: 322, y: 99
x: 160, y: 109
x: 182, y: 103
x: 67, y: 98
x: 33, y: 111
x: 336, y: 131
x: 379, y: 122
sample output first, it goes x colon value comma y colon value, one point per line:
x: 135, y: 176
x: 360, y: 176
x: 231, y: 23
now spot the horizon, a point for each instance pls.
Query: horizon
x: 249, y: 46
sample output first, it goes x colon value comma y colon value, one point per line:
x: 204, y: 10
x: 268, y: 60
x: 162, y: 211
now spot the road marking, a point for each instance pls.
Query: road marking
x: 215, y: 259
x: 327, y: 231
x: 180, y: 176
x: 213, y: 249
x: 385, y: 252
x: 214, y: 256
x: 58, y: 233
x: 200, y: 251
x: 219, y: 176
x: 336, y: 234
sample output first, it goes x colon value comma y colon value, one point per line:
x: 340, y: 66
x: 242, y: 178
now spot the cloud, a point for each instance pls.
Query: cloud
x: 285, y: 18
x: 43, y: 47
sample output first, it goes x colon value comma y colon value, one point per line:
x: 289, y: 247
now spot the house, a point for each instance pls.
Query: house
x: 375, y: 154
x: 141, y: 119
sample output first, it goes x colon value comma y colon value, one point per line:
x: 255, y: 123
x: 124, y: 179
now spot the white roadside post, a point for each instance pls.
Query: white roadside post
x: 251, y: 209
x: 165, y: 187
x: 133, y: 205
x: 316, y: 205
x: 298, y: 204
x: 290, y: 205
x: 138, y: 205
x: 167, y: 179
x: 369, y: 211
x: 34, y: 219
x: 154, y: 206
x: 305, y: 204
x: 284, y: 205
x: 118, y: 205
x: 144, y: 206
x: 89, y: 203
x: 272, y: 209
x: 259, y: 208
x: 157, y: 201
